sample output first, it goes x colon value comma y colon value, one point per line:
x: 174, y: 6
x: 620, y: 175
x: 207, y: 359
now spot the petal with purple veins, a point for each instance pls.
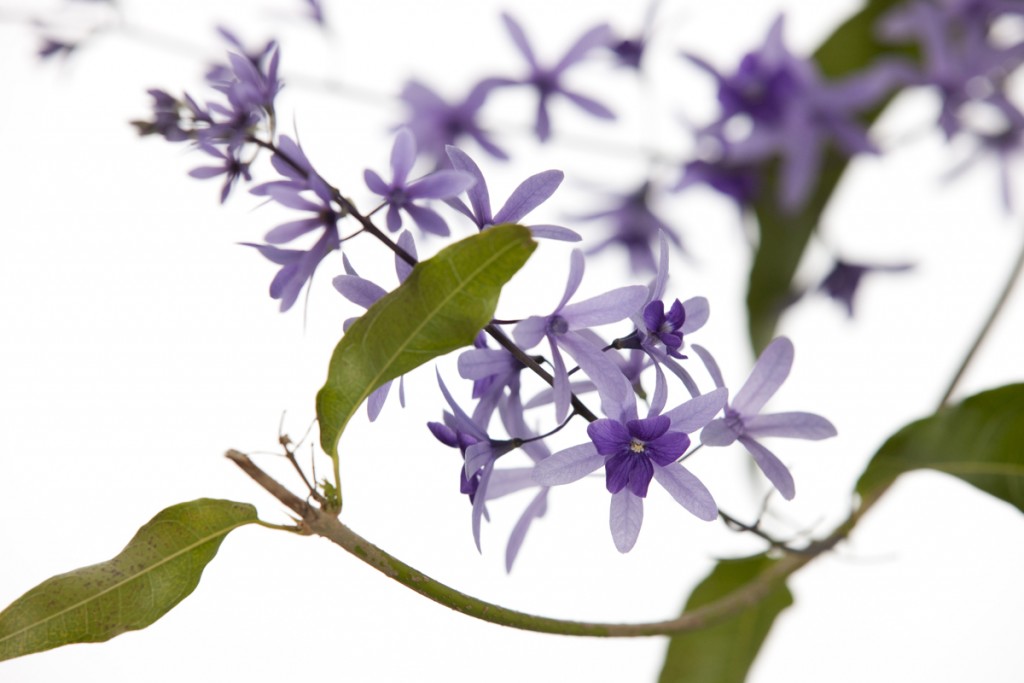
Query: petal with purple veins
x: 569, y: 465
x: 687, y: 490
x: 625, y: 518
x: 777, y: 473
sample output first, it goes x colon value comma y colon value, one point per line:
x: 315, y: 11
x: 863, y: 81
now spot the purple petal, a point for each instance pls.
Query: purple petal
x: 576, y: 267
x: 481, y: 363
x: 440, y: 185
x: 599, y: 36
x: 479, y: 199
x: 406, y: 242
x: 627, y: 515
x: 479, y: 502
x: 569, y: 465
x: 609, y: 307
x: 465, y: 423
x: 794, y: 425
x: 687, y: 490
x: 769, y: 372
x: 589, y: 105
x: 535, y: 510
x: 718, y: 433
x: 376, y: 183
x: 710, y: 364
x: 698, y: 411
x: 357, y: 290
x: 555, y: 232
x: 428, y: 220
x: 611, y: 384
x: 375, y: 402
x: 668, y: 449
x: 206, y: 172
x: 478, y: 455
x: 609, y: 436
x: 697, y: 312
x: 519, y: 38
x: 560, y: 385
x: 286, y: 232
x: 649, y: 429
x: 772, y: 467
x: 394, y: 219
x: 508, y: 481
x: 530, y: 194
x: 530, y: 331
x: 403, y: 156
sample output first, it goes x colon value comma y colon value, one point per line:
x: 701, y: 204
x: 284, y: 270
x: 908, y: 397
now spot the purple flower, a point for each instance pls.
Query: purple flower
x: 479, y: 451
x: 231, y: 167
x: 842, y: 282
x: 400, y: 194
x: 492, y: 371
x: 635, y: 227
x: 530, y: 194
x: 297, y: 266
x: 52, y: 47
x: 563, y: 328
x: 435, y: 123
x: 293, y: 192
x: 633, y: 451
x: 547, y: 80
x: 743, y: 423
x: 794, y: 115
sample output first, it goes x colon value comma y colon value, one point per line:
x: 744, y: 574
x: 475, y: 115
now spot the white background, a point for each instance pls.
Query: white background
x: 138, y: 343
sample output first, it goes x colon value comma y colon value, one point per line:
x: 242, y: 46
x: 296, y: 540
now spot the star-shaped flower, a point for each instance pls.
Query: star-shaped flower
x: 744, y: 423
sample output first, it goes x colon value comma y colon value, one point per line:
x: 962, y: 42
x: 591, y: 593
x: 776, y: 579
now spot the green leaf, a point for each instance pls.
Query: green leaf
x: 980, y: 440
x: 724, y: 652
x: 440, y: 307
x: 784, y: 236
x: 155, y: 571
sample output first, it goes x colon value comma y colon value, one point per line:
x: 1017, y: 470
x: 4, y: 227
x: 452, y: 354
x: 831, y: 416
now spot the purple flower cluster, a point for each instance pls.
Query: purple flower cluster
x: 792, y: 115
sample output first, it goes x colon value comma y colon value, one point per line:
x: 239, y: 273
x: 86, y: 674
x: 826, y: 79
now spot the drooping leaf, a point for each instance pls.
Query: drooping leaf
x: 980, y: 440
x: 784, y: 235
x: 723, y: 653
x: 158, y: 568
x: 440, y: 307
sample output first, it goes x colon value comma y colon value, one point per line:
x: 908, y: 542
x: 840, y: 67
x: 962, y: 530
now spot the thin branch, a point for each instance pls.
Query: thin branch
x: 324, y: 524
x: 1011, y: 282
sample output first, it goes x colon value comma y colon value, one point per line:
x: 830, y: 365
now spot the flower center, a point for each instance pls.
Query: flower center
x: 636, y: 446
x: 558, y: 325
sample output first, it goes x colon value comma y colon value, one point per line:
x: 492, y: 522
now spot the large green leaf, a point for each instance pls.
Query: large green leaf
x: 724, y: 652
x: 784, y: 236
x: 981, y: 441
x: 440, y: 307
x: 156, y: 570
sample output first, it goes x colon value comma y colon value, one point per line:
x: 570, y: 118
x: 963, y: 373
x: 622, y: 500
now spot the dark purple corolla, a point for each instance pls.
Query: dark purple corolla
x: 744, y: 423
x: 633, y: 451
x: 401, y: 194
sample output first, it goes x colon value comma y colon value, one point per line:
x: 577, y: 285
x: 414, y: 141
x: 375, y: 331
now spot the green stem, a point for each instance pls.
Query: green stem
x: 1011, y: 282
x: 323, y: 523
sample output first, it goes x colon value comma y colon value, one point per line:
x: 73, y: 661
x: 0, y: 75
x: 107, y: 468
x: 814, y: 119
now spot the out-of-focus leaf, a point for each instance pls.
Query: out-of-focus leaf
x: 158, y: 568
x: 980, y: 440
x: 723, y: 653
x: 784, y: 236
x: 440, y: 307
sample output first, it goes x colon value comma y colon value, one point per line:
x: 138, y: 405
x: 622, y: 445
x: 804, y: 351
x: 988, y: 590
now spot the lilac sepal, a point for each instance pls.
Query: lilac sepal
x: 535, y: 510
x: 795, y: 425
x: 357, y: 290
x: 508, y: 481
x: 530, y: 194
x: 777, y: 473
x: 687, y: 490
x: 698, y: 411
x: 569, y: 465
x: 625, y: 519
